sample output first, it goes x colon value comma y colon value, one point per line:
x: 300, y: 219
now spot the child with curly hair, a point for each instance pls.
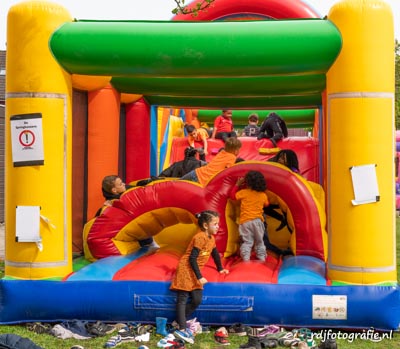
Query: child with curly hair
x: 188, y: 280
x: 252, y: 199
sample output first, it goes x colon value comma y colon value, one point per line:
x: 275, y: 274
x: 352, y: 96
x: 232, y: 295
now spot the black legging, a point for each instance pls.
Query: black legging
x: 225, y: 135
x: 183, y: 308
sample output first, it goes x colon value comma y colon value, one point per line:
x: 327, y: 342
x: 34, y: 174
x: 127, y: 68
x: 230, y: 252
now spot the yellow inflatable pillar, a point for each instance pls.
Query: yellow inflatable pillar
x: 360, y: 131
x: 38, y: 167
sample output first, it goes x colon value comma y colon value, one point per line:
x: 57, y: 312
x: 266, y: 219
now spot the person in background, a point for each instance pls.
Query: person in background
x: 198, y: 135
x: 274, y: 128
x: 288, y: 158
x: 113, y: 187
x: 188, y: 281
x: 252, y: 200
x: 224, y: 159
x: 180, y: 168
x: 252, y: 129
x: 223, y: 126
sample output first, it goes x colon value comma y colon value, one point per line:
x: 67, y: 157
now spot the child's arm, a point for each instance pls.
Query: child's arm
x: 195, y: 267
x: 217, y: 260
x: 266, y: 202
x: 216, y: 123
x: 190, y: 141
x: 205, y: 144
x: 236, y: 188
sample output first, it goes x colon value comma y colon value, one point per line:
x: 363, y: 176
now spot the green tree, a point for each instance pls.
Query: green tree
x: 397, y: 85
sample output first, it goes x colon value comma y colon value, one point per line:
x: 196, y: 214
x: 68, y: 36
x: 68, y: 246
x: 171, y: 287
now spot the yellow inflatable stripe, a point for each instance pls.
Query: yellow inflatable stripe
x: 173, y: 226
x: 86, y: 250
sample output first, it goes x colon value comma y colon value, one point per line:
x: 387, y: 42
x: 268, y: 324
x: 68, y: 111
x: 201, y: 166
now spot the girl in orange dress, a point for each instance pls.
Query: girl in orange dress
x: 188, y: 280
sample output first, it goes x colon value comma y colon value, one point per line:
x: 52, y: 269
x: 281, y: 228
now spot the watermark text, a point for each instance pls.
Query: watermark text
x: 366, y: 335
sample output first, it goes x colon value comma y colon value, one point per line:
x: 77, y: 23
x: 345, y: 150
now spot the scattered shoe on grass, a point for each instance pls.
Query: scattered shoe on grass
x: 237, y: 329
x: 221, y: 336
x: 38, y: 327
x: 113, y: 342
x: 185, y: 335
x: 99, y: 329
x: 167, y: 341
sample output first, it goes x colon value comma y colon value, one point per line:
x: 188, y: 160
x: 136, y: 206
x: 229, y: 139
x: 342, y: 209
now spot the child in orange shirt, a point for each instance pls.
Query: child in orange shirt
x: 188, y: 281
x: 198, y: 135
x: 252, y: 199
x: 224, y: 159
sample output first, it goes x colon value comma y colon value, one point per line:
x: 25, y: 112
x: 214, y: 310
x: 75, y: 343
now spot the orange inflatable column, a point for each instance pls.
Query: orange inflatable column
x: 103, y: 143
x: 189, y: 117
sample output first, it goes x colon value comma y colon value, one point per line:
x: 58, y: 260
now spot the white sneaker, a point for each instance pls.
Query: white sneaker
x: 154, y: 245
x: 185, y: 335
x: 166, y: 341
x: 143, y: 337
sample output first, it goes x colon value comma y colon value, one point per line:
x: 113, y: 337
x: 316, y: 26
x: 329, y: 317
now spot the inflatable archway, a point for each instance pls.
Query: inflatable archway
x: 292, y: 76
x: 111, y: 233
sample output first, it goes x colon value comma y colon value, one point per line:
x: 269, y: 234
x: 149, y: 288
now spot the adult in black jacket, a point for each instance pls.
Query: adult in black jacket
x: 180, y: 168
x: 274, y: 128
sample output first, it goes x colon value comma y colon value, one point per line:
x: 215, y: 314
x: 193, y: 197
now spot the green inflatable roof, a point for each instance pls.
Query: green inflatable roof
x: 238, y: 64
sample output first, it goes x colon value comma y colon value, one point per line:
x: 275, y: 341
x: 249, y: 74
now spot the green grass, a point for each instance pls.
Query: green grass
x: 204, y: 341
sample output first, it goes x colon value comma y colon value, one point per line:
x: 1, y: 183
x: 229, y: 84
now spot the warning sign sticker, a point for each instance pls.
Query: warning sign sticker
x: 27, y: 139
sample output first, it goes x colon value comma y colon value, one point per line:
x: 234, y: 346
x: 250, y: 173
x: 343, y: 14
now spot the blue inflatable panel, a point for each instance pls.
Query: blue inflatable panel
x: 303, y: 270
x: 105, y: 268
x: 254, y: 304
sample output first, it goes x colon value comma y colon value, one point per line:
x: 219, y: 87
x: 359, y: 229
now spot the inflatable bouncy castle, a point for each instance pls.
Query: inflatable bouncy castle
x: 85, y: 99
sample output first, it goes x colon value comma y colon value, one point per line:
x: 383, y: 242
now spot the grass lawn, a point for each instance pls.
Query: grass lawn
x: 206, y: 340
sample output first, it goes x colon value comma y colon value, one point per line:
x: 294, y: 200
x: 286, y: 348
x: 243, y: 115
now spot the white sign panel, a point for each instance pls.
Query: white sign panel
x: 27, y: 139
x: 329, y: 307
x: 365, y: 184
x: 27, y: 224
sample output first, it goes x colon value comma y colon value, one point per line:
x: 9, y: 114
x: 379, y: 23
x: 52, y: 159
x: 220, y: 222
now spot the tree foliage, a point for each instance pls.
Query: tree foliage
x: 200, y: 5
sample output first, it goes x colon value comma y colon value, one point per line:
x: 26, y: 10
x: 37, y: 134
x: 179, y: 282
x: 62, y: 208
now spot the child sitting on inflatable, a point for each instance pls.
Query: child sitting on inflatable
x: 180, y: 168
x: 198, y: 135
x: 113, y: 187
x: 223, y: 126
x: 224, y: 159
x: 252, y: 129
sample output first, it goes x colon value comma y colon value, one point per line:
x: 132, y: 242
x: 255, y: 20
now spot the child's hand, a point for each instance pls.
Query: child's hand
x: 240, y: 181
x: 224, y: 271
x: 107, y: 203
x: 203, y: 281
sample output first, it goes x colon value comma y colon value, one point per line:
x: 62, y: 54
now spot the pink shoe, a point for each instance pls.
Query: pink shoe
x: 270, y: 329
